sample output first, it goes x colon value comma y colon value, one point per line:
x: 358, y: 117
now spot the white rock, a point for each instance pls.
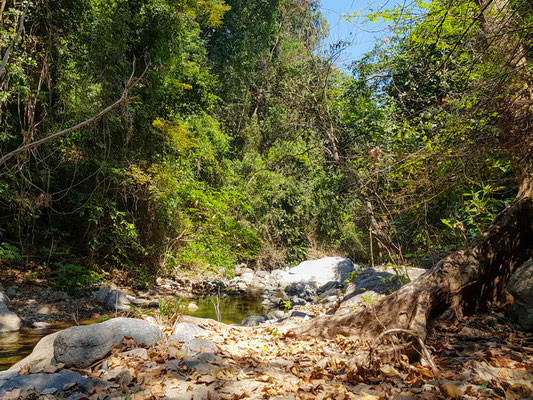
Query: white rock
x: 321, y: 271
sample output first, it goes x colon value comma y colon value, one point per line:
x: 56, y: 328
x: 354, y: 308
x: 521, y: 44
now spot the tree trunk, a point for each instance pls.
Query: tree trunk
x: 466, y: 281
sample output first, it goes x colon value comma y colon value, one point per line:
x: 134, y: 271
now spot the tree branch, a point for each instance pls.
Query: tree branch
x: 15, y: 39
x: 131, y: 83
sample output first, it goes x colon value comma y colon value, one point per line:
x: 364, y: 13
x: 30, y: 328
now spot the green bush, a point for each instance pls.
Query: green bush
x: 73, y: 278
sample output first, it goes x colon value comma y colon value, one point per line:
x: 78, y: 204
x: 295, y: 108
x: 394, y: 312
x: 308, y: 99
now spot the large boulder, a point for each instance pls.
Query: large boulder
x: 321, y: 271
x: 41, y: 357
x: 9, y: 321
x: 141, y: 331
x: 54, y: 383
x: 81, y: 346
x: 521, y: 287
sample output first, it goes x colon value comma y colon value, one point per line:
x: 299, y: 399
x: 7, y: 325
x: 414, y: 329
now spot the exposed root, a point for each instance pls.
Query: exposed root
x: 423, y: 348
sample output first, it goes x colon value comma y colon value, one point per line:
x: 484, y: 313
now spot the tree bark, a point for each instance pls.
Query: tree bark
x: 467, y: 281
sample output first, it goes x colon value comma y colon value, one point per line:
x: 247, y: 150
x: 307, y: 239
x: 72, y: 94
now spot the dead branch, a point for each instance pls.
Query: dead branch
x: 131, y: 83
x: 15, y: 39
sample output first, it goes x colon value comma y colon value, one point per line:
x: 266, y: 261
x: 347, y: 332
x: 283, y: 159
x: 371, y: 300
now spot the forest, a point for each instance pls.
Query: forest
x: 149, y: 141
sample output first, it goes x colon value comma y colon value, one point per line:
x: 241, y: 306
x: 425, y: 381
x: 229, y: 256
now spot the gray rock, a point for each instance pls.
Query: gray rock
x: 276, y: 314
x: 372, y: 279
x: 254, y: 320
x: 6, y: 375
x: 331, y: 285
x: 138, y: 352
x: 139, y: 330
x: 9, y: 321
x: 117, y: 300
x: 197, y: 346
x: 322, y: 271
x: 185, y: 331
x: 521, y: 287
x: 301, y: 314
x: 56, y: 381
x: 81, y: 346
x: 41, y: 357
x: 101, y: 294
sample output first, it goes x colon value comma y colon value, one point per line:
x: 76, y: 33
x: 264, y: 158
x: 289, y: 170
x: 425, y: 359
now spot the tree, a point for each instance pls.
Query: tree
x: 473, y: 278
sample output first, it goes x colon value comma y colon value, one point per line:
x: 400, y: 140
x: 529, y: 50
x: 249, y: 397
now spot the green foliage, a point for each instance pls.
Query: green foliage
x: 243, y: 143
x: 9, y: 253
x: 75, y: 278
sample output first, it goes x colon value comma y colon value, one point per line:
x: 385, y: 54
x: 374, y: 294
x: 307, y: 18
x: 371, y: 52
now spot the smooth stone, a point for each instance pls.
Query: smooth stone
x: 44, y: 311
x: 329, y: 286
x: 41, y: 357
x: 139, y: 330
x: 196, y: 346
x: 322, y: 271
x: 138, y: 352
x: 117, y: 300
x: 40, y: 325
x: 9, y: 321
x: 254, y: 320
x: 192, y: 307
x: 185, y: 331
x: 81, y: 346
x: 40, y: 382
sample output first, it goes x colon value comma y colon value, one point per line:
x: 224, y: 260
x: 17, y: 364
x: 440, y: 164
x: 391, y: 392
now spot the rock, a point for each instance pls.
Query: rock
x: 330, y: 299
x: 117, y: 300
x: 356, y: 302
x: 41, y: 357
x: 247, y: 277
x: 44, y: 311
x: 81, y: 346
x: 40, y: 325
x: 192, y: 307
x: 6, y: 375
x: 276, y: 314
x: 301, y: 314
x: 240, y: 268
x: 185, y: 331
x: 322, y: 271
x: 521, y: 287
x: 279, y: 277
x: 197, y: 346
x: 138, y: 352
x: 331, y: 285
x: 139, y: 330
x: 254, y: 320
x: 9, y: 321
x: 264, y: 275
x: 101, y: 294
x: 41, y: 382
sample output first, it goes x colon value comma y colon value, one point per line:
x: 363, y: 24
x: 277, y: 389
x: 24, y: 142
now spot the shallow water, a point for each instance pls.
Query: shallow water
x: 14, y: 346
x: 233, y: 309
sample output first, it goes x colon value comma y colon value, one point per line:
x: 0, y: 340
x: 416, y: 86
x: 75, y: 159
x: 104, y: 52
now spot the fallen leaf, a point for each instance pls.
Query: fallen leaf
x: 451, y: 390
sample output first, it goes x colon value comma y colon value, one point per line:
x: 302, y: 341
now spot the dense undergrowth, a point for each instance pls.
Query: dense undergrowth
x: 242, y: 142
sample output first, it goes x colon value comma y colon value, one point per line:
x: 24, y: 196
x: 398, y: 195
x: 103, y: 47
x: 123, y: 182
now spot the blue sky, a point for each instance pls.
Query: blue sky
x: 361, y: 36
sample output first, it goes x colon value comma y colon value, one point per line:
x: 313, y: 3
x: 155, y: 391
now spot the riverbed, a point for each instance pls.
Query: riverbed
x: 14, y: 346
